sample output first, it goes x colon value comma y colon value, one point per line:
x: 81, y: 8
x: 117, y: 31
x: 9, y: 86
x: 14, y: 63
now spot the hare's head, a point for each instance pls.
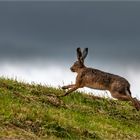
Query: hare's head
x: 80, y: 63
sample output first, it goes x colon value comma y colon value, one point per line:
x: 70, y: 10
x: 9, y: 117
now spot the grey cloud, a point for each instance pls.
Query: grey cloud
x: 54, y: 29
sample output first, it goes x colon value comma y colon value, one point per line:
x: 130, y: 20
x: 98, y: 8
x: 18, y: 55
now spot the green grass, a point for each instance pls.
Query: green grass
x: 33, y: 112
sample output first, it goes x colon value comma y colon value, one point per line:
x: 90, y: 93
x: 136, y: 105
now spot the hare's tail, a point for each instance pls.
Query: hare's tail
x: 135, y: 101
x: 137, y: 104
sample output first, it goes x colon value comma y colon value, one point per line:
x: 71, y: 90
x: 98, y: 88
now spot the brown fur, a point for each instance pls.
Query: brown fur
x: 118, y: 86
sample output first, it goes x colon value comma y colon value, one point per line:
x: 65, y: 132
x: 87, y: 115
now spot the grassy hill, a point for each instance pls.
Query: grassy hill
x: 33, y: 112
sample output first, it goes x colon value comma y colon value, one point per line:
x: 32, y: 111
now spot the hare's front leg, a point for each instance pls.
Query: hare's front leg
x: 73, y: 88
x: 68, y: 86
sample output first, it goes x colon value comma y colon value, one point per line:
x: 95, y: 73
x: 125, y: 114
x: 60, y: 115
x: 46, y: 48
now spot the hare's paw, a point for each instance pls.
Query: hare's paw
x: 64, y: 87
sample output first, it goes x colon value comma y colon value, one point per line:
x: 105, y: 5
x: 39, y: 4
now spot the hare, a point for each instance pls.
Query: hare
x: 118, y: 86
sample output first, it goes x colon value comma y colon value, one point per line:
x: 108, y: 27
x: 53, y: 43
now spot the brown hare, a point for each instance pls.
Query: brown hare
x: 118, y: 86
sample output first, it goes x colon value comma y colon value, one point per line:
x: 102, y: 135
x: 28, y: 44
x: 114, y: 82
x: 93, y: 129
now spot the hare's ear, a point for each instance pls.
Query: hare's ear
x: 79, y: 54
x: 84, y: 54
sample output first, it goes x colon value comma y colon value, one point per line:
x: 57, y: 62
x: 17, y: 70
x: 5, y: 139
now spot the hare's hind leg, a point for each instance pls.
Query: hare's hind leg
x: 120, y: 96
x: 126, y: 97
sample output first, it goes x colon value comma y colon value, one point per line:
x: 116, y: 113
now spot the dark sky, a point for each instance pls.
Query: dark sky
x: 52, y: 30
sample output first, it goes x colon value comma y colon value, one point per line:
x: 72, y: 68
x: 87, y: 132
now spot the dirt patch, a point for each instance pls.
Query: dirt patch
x: 54, y: 100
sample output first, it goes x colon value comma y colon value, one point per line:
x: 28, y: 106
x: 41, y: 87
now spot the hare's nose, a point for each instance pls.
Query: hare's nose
x: 71, y: 69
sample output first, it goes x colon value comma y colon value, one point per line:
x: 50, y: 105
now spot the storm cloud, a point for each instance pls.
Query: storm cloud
x: 54, y: 29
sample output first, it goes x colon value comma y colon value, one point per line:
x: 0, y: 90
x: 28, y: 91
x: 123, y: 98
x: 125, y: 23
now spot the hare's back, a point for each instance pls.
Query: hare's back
x: 101, y: 79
